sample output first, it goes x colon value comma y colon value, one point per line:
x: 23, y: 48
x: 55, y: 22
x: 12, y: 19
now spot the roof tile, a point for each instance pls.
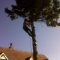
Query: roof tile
x: 19, y: 55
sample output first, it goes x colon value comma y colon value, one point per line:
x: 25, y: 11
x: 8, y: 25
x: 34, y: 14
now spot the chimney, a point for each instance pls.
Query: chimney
x: 11, y: 47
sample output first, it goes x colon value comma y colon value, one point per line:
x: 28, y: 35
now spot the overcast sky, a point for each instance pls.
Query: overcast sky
x: 48, y: 38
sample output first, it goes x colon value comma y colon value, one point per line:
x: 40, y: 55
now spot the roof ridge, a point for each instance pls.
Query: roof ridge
x: 16, y: 50
x: 19, y: 50
x: 23, y: 51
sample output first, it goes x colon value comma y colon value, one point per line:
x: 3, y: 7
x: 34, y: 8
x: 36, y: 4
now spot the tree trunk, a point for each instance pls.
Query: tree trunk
x: 35, y: 57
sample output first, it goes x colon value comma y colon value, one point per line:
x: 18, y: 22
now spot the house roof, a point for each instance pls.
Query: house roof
x: 19, y: 55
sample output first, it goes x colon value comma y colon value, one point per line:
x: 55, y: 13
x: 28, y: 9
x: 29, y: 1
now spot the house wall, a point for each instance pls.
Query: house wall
x: 2, y: 57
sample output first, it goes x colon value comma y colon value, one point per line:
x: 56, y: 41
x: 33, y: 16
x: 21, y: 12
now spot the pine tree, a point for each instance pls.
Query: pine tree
x: 46, y: 11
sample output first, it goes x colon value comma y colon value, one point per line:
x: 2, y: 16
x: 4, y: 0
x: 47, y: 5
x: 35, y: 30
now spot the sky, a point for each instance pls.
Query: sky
x: 48, y: 38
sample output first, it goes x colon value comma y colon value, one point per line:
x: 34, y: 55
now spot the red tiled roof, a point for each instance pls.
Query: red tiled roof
x: 19, y: 55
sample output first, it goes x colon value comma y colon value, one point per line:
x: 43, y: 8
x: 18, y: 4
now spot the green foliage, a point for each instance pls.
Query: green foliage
x: 36, y: 10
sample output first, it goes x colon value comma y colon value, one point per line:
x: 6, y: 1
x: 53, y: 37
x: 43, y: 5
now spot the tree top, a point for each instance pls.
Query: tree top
x: 47, y: 11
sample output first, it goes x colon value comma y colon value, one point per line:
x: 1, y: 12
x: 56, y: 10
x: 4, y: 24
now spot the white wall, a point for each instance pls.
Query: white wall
x: 2, y: 57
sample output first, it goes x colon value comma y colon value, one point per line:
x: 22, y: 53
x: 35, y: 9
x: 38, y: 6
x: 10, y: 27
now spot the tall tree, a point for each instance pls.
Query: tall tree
x: 46, y: 11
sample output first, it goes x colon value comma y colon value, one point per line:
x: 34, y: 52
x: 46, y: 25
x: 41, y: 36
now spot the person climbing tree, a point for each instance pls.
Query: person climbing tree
x: 46, y: 11
x: 26, y: 24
